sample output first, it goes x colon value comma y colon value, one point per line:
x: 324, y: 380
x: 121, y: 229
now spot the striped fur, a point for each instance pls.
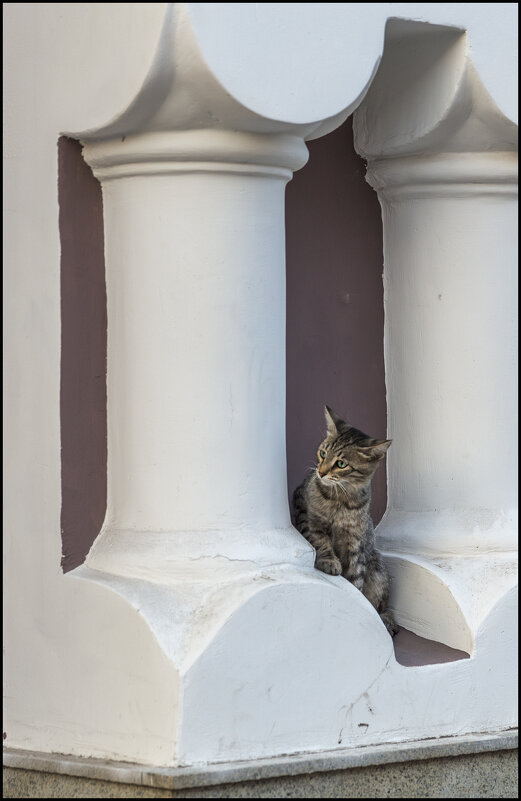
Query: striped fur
x: 331, y: 510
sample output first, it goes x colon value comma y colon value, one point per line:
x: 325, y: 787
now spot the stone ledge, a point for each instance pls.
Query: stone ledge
x: 254, y: 770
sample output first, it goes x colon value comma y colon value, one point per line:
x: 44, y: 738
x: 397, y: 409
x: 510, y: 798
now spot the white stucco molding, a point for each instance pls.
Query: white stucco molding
x: 283, y: 58
x: 237, y: 65
x: 428, y: 97
x: 445, y: 173
x: 182, y: 90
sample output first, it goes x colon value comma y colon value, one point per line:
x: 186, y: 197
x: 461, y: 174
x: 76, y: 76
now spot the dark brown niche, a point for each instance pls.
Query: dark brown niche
x: 83, y: 392
x: 335, y: 313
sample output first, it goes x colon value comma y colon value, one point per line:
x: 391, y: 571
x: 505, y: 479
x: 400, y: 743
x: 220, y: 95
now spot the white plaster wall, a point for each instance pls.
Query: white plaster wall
x: 66, y: 649
x: 83, y: 673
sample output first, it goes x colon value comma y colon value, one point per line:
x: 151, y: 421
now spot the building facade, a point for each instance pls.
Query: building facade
x: 197, y: 631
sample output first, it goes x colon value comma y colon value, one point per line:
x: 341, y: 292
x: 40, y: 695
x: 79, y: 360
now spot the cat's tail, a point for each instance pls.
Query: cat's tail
x: 300, y: 517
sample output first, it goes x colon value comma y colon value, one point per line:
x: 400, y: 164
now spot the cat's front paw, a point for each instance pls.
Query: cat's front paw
x: 330, y: 565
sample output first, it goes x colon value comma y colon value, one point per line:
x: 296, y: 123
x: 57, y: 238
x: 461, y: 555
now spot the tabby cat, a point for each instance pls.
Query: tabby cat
x: 331, y: 510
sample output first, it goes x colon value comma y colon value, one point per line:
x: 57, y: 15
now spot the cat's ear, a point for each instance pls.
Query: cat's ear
x: 375, y: 449
x: 333, y: 421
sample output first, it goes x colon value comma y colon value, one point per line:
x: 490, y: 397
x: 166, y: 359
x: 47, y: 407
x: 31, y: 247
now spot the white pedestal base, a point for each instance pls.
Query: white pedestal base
x: 281, y: 660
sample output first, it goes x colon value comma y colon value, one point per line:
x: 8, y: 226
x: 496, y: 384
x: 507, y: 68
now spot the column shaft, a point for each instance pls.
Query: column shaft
x: 450, y: 346
x: 195, y: 281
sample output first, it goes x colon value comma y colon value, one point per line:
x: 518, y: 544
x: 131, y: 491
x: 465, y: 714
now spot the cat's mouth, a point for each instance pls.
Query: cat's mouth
x: 326, y: 479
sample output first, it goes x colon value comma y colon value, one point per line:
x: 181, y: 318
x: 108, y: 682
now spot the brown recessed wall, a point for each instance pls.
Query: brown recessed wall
x: 334, y: 349
x: 83, y: 394
x: 334, y: 323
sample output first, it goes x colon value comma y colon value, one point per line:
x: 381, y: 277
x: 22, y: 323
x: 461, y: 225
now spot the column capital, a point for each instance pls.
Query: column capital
x: 447, y: 174
x: 273, y: 68
x: 427, y: 98
x: 202, y: 150
x: 189, y: 88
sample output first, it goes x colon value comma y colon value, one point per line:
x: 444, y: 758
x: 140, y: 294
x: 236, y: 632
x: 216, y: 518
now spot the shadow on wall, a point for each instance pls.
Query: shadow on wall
x: 335, y: 315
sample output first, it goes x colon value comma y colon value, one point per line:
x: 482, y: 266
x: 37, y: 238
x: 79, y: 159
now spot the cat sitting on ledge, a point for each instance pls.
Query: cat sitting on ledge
x: 331, y: 510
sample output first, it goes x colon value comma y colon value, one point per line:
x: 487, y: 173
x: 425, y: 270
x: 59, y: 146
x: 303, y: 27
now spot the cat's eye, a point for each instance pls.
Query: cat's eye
x: 342, y: 464
x: 322, y: 454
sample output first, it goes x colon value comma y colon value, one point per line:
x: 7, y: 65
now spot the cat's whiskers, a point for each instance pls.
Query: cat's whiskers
x: 341, y: 486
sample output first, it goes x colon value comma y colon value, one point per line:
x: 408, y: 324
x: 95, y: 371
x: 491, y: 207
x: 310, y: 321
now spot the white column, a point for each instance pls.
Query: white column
x: 443, y: 160
x: 450, y: 350
x: 195, y: 264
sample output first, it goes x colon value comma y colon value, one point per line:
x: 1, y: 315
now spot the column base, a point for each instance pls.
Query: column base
x: 450, y: 600
x: 173, y: 557
x: 281, y: 660
x: 449, y: 570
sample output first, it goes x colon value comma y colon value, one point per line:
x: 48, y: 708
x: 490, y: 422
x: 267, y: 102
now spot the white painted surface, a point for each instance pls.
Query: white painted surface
x: 448, y: 599
x: 114, y: 666
x: 452, y: 398
x: 440, y: 105
x: 338, y: 45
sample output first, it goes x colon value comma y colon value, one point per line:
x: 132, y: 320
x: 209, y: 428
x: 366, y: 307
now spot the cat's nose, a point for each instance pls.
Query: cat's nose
x: 321, y: 472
